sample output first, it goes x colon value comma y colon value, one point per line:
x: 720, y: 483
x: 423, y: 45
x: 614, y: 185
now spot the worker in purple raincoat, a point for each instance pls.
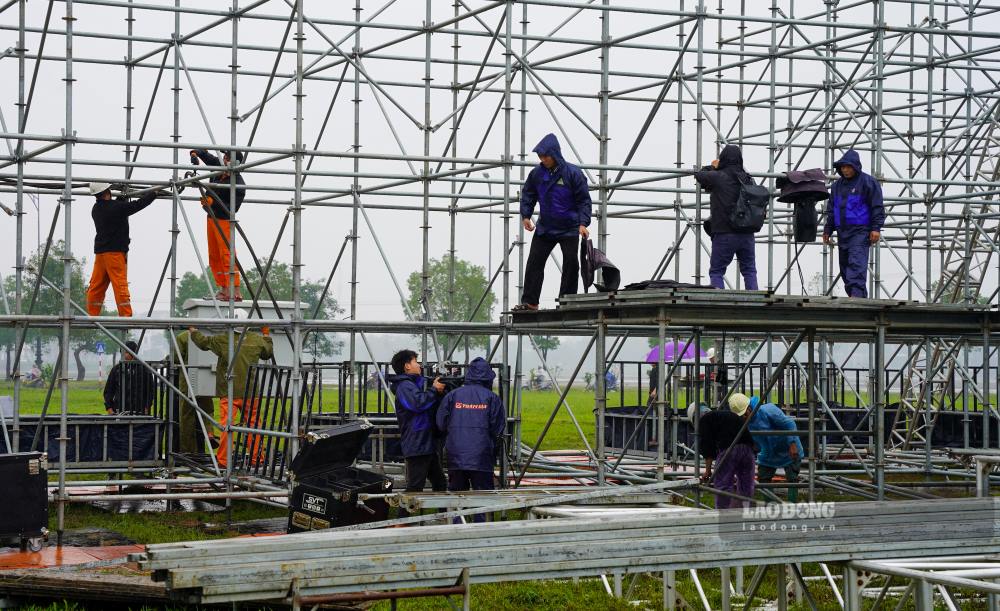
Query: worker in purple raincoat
x: 856, y: 212
x: 473, y: 418
x: 560, y: 190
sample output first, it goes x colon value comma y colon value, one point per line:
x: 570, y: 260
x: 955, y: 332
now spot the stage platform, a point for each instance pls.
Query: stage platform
x: 760, y: 311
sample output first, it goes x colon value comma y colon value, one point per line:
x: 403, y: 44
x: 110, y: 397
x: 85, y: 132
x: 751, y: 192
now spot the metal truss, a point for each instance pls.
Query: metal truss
x: 640, y: 92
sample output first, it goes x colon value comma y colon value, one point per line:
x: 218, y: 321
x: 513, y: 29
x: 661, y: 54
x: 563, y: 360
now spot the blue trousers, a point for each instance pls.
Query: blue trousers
x: 724, y: 247
x: 853, y: 248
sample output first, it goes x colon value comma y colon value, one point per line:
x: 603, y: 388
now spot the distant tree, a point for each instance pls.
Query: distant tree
x: 546, y: 343
x: 192, y: 286
x: 460, y: 306
x: 50, y: 301
x: 955, y: 291
x: 706, y: 342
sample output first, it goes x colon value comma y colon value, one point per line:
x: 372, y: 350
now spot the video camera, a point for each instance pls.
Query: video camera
x: 452, y: 382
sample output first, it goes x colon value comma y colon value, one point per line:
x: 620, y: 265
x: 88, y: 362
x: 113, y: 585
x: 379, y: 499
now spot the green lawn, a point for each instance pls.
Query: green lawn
x: 84, y: 397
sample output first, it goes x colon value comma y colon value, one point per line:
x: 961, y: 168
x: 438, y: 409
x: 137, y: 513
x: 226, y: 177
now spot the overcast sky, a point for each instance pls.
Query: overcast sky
x: 636, y: 246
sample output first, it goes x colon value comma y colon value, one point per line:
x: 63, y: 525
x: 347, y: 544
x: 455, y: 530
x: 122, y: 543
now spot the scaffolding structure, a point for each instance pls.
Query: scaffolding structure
x: 641, y: 93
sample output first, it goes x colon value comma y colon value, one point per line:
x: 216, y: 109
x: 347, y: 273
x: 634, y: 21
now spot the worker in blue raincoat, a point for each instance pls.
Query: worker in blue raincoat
x: 473, y: 418
x: 560, y: 190
x: 416, y: 402
x: 856, y: 212
x: 775, y: 451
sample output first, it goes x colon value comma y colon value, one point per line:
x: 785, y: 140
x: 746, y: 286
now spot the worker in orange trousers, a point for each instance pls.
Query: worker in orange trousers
x: 111, y: 243
x: 255, y: 347
x: 220, y: 210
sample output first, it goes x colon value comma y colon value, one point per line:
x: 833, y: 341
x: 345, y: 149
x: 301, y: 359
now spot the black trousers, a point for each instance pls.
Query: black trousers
x: 534, y: 269
x: 460, y: 480
x: 421, y: 468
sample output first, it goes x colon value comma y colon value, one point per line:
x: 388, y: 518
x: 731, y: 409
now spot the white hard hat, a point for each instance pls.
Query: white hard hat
x: 240, y: 314
x: 96, y: 188
x: 711, y: 353
x: 695, y: 407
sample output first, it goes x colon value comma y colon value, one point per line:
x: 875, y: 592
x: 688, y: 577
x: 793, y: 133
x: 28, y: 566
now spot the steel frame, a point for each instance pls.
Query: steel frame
x: 912, y: 83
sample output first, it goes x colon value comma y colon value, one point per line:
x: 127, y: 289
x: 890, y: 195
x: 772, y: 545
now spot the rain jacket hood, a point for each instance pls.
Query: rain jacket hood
x: 480, y: 372
x: 416, y: 404
x: 850, y: 158
x: 549, y: 146
x: 854, y: 202
x: 473, y: 418
x: 731, y: 157
x: 723, y: 185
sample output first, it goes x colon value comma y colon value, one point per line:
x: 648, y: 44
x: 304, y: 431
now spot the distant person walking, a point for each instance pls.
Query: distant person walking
x: 560, y: 190
x: 723, y: 179
x: 856, y: 213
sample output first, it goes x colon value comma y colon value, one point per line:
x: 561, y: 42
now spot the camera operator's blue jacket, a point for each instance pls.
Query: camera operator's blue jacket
x: 415, y: 406
x: 562, y: 194
x: 473, y: 418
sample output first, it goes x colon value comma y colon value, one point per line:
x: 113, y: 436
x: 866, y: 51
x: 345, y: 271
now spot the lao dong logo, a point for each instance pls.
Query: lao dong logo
x: 789, y: 517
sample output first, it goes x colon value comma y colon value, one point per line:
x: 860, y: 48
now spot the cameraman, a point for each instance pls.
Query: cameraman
x: 415, y: 407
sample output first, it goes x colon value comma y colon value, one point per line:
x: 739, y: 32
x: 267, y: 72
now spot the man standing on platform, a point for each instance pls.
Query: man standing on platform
x: 561, y: 192
x: 856, y: 212
x: 723, y: 179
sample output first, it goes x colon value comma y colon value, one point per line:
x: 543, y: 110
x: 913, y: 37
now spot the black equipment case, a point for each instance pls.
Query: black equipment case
x: 325, y: 487
x: 24, y: 484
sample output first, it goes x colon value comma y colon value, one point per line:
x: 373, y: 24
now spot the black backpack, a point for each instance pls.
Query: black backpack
x: 750, y: 210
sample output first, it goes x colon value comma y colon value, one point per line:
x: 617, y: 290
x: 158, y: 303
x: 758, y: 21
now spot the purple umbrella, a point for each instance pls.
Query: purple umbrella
x: 670, y: 352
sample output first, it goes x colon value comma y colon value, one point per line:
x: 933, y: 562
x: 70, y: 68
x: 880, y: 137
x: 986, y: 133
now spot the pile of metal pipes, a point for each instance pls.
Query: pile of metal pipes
x: 338, y: 562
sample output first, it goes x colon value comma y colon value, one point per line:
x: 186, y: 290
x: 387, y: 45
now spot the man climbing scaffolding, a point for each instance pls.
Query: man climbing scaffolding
x: 216, y: 201
x: 111, y: 242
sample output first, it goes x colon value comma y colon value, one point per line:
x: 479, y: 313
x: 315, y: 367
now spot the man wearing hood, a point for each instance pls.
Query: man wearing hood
x: 856, y: 212
x: 723, y: 179
x: 415, y: 408
x: 473, y: 418
x: 560, y: 190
